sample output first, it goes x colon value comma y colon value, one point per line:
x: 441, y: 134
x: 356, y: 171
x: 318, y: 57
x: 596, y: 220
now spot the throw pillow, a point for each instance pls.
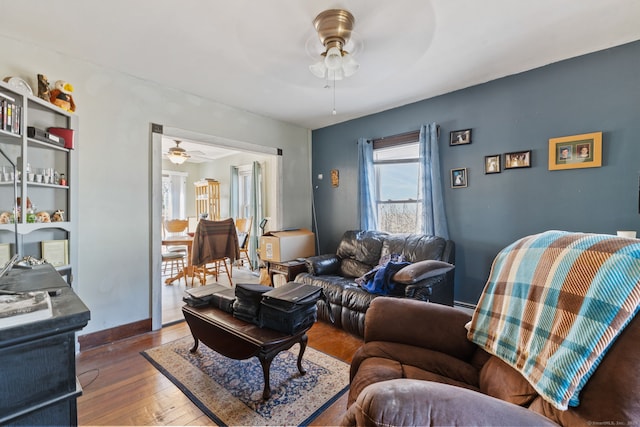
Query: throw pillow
x: 421, y: 270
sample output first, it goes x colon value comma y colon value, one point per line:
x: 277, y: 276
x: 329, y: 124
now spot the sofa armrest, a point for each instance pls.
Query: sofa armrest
x: 404, y: 402
x: 407, y: 321
x: 323, y: 265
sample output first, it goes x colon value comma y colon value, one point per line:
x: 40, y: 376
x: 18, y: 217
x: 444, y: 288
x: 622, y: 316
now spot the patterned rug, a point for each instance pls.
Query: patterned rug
x: 230, y: 391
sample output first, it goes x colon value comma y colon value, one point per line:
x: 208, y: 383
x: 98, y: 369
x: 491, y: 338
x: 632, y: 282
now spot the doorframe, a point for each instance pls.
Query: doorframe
x: 157, y: 131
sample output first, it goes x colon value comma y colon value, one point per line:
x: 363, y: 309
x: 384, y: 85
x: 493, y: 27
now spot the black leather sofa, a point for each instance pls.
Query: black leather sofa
x: 358, y: 253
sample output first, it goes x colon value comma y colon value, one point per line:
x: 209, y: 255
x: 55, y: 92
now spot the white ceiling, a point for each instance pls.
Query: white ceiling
x: 198, y: 151
x: 254, y: 55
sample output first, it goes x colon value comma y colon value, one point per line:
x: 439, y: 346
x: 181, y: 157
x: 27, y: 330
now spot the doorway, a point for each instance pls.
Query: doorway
x: 273, y: 182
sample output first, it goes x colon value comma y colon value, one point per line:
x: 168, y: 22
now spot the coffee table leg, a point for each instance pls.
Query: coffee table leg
x: 266, y: 365
x: 195, y: 345
x: 303, y: 346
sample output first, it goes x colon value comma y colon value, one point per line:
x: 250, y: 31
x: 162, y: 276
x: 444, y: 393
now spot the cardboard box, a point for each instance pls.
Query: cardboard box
x: 282, y: 246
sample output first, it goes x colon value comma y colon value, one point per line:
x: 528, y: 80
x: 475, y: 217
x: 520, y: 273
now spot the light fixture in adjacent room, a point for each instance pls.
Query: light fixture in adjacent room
x: 177, y: 155
x: 334, y: 27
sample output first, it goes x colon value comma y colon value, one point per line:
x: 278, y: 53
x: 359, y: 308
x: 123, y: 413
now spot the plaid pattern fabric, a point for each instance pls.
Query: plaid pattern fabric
x: 214, y: 240
x: 554, y: 303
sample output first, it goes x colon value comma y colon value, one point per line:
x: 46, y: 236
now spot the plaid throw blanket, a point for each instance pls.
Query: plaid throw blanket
x: 554, y: 303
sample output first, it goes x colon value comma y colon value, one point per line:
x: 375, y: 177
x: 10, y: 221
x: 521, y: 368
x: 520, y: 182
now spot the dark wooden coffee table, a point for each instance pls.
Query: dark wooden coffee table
x: 237, y: 339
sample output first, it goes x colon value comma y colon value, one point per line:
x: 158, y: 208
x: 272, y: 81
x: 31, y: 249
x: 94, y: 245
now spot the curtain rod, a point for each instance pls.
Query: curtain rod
x: 400, y: 138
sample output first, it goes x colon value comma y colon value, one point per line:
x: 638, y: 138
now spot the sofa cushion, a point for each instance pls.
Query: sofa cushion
x: 353, y: 268
x: 414, y: 247
x: 362, y: 246
x: 500, y: 380
x: 421, y: 270
x: 321, y: 265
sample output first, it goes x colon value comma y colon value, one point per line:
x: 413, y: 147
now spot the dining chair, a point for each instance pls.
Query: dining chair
x: 175, y: 262
x: 176, y: 227
x: 214, y: 242
x: 243, y: 226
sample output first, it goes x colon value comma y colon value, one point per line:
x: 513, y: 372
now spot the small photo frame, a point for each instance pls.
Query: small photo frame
x: 492, y: 164
x: 460, y: 137
x: 517, y: 160
x: 576, y: 151
x: 459, y: 178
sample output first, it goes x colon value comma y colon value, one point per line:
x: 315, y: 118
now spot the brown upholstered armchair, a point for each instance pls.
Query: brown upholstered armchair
x: 418, y: 365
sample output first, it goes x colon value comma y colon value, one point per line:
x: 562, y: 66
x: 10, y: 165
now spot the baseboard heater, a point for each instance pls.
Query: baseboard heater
x: 465, y: 306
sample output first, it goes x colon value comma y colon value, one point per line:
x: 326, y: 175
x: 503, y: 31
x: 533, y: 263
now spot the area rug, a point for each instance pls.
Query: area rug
x: 230, y: 391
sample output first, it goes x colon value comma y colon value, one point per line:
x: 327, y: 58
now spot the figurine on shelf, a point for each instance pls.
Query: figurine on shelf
x: 43, y: 88
x: 61, y: 96
x: 58, y: 216
x: 43, y: 217
x: 5, y: 218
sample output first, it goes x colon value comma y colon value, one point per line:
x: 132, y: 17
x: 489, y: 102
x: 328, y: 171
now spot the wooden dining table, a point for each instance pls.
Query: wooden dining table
x: 188, y: 270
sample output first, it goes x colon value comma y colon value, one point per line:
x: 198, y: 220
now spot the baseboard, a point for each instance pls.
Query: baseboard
x: 107, y: 336
x: 464, y: 306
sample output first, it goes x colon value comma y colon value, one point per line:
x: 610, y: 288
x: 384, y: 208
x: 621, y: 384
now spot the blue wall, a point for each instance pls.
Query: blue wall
x: 591, y: 93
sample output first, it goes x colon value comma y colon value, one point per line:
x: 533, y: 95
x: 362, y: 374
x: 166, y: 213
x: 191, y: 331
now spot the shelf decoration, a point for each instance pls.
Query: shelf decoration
x: 61, y: 96
x: 56, y: 252
x: 5, y: 253
x: 43, y: 88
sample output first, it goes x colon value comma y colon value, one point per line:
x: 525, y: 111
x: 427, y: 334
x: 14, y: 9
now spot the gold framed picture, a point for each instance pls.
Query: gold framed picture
x: 56, y: 252
x: 576, y: 151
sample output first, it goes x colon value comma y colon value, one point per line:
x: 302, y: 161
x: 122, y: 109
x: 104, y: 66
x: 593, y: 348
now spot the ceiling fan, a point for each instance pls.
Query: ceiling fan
x: 177, y: 155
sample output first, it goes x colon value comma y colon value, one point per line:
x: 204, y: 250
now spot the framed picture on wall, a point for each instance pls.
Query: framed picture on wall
x: 458, y: 178
x: 576, y: 151
x: 517, y: 159
x: 460, y: 137
x: 492, y: 164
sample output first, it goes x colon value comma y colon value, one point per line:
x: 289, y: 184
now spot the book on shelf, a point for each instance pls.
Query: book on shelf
x: 24, y: 307
x: 10, y: 115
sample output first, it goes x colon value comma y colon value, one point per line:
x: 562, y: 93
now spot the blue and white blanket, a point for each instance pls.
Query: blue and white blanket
x: 554, y: 303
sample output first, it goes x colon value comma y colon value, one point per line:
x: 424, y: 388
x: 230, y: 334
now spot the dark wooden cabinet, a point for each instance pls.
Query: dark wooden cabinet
x: 38, y: 384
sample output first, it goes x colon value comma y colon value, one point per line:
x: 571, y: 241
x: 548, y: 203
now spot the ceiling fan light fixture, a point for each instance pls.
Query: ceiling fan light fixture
x: 318, y: 69
x: 177, y: 155
x: 349, y: 65
x: 334, y: 27
x: 333, y: 59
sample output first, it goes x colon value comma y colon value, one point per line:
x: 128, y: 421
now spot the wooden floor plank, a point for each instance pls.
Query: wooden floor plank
x: 120, y: 387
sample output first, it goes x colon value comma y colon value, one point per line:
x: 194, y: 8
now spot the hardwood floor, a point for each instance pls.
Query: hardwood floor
x: 123, y: 388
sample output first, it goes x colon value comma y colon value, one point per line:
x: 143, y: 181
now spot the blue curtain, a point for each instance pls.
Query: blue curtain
x: 434, y: 221
x: 367, y: 189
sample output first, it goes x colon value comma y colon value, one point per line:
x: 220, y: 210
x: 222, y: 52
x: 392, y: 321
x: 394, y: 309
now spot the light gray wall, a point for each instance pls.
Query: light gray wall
x: 115, y: 112
x: 597, y: 92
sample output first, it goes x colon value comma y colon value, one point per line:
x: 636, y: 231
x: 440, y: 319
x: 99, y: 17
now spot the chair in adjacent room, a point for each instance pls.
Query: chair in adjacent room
x: 215, y: 242
x: 243, y: 226
x: 173, y: 256
x: 173, y: 228
x: 174, y: 261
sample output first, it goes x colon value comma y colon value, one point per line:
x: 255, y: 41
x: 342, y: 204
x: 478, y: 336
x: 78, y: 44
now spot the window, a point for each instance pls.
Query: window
x: 397, y: 173
x: 244, y: 191
x: 174, y: 189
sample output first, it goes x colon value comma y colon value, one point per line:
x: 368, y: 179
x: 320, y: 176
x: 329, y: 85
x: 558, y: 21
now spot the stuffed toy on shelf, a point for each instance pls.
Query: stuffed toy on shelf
x: 61, y: 96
